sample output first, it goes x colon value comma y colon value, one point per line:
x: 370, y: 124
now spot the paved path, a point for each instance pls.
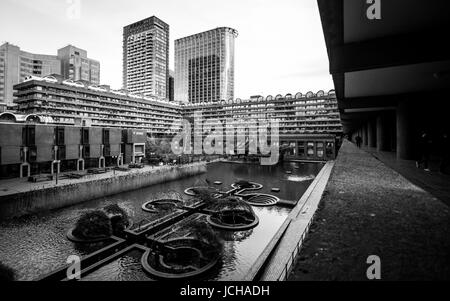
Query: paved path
x: 434, y: 182
x: 14, y: 186
x: 369, y: 209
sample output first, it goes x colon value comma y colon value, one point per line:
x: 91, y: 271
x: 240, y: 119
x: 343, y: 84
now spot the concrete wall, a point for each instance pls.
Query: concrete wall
x: 62, y: 196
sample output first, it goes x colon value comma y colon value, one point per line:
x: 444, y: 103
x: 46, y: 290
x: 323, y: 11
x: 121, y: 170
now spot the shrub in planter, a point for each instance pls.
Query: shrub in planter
x: 93, y: 224
x: 244, y: 184
x: 205, y: 194
x: 203, y: 232
x: 118, y: 217
x: 6, y: 273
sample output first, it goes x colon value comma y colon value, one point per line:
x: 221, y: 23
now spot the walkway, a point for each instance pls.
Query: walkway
x: 370, y: 209
x: 435, y: 183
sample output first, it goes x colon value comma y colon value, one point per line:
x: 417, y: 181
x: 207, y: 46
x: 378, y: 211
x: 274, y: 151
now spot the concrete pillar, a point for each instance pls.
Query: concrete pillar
x: 78, y: 164
x: 101, y: 162
x: 364, y: 135
x: 383, y: 142
x: 405, y: 131
x: 58, y: 167
x: 28, y: 172
x: 371, y: 133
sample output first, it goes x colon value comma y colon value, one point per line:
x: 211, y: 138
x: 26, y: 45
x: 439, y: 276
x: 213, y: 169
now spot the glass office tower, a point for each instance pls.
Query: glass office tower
x: 204, y: 66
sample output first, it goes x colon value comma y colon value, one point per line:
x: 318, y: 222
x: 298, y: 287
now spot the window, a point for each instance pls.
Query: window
x: 301, y: 148
x: 329, y: 149
x: 310, y: 149
x: 320, y: 149
x: 59, y: 136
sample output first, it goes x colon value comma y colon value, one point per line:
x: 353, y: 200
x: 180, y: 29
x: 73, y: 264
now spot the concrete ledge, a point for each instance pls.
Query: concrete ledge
x: 74, y: 192
x: 298, y: 223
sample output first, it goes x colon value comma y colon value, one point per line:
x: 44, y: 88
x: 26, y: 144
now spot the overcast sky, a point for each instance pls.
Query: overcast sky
x: 280, y: 48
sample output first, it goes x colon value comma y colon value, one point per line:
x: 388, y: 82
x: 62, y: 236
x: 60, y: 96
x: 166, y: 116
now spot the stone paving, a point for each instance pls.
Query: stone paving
x: 434, y: 182
x: 370, y: 209
x: 13, y: 186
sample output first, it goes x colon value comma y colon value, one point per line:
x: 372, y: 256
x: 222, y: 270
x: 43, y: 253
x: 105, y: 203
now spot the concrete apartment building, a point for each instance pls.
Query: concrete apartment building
x: 16, y: 65
x: 146, y: 58
x: 76, y: 65
x: 204, y: 66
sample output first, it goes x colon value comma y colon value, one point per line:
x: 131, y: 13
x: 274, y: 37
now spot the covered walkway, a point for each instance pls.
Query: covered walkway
x: 370, y: 209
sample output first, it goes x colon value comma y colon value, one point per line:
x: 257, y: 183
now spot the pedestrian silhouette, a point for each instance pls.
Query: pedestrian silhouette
x: 358, y: 141
x: 424, y: 150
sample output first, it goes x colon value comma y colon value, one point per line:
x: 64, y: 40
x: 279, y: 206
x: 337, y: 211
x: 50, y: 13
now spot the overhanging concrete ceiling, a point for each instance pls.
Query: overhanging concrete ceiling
x: 398, y: 80
x: 375, y: 63
x: 397, y: 17
x: 404, y: 52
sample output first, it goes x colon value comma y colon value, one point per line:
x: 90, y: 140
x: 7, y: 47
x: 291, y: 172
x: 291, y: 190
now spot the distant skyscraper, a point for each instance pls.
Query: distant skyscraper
x: 16, y: 65
x: 146, y: 57
x: 204, y: 66
x: 76, y: 65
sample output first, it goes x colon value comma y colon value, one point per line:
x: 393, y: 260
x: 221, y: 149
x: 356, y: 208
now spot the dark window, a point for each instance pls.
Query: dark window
x: 301, y: 148
x: 32, y: 154
x: 107, y: 151
x: 86, y: 151
x: 59, y: 136
x: 61, y: 153
x: 28, y: 136
x: 85, y: 136
x: 105, y: 137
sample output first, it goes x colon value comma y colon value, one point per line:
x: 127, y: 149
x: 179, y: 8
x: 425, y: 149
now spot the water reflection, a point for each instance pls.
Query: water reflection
x: 36, y: 245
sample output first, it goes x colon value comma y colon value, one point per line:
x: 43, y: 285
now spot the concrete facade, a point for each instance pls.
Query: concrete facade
x: 146, y: 58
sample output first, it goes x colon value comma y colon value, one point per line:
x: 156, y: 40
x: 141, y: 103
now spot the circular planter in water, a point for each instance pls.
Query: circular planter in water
x: 73, y: 238
x: 235, y: 220
x: 85, y: 240
x: 191, y: 191
x: 247, y: 186
x: 181, y: 258
x: 161, y: 204
x: 260, y: 199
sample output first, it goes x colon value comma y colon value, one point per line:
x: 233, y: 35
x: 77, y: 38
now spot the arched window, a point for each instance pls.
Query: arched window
x: 289, y: 96
x: 309, y: 94
x: 32, y: 119
x: 8, y: 117
x: 298, y: 95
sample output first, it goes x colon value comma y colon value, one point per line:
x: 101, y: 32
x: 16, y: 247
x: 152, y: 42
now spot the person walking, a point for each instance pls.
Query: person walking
x: 424, y: 149
x: 358, y: 141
